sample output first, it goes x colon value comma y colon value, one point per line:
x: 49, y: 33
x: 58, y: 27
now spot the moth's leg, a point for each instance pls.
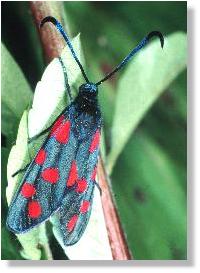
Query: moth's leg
x: 70, y: 97
x: 45, y: 130
x: 99, y: 188
x: 40, y: 134
x: 21, y: 170
x: 66, y: 80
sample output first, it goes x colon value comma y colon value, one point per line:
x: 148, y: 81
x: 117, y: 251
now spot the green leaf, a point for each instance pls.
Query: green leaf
x: 18, y: 158
x: 8, y: 242
x: 4, y: 160
x: 179, y: 92
x: 9, y: 248
x: 151, y: 201
x: 33, y: 242
x: 16, y: 92
x: 149, y: 74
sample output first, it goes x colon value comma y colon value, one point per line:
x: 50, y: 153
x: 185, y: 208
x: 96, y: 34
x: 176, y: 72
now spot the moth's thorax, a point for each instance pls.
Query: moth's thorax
x: 86, y: 113
x: 88, y: 88
x: 87, y: 98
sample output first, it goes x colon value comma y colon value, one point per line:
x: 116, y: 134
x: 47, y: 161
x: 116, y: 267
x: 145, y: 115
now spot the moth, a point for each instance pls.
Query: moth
x: 62, y: 176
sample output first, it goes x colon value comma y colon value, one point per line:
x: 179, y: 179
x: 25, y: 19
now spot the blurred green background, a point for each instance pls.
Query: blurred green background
x: 149, y: 176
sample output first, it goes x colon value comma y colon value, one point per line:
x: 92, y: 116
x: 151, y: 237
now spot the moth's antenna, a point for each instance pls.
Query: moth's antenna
x: 132, y: 53
x: 65, y: 36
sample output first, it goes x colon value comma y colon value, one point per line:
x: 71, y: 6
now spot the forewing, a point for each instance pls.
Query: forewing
x: 76, y: 206
x: 44, y: 183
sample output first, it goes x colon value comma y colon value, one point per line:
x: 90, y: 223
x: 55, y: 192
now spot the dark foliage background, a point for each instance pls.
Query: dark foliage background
x: 149, y: 177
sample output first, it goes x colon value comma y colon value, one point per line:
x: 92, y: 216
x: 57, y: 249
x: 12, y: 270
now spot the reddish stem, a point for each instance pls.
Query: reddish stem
x: 52, y: 45
x: 116, y: 236
x: 52, y: 42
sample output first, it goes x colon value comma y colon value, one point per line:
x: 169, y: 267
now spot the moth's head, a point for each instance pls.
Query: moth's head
x: 89, y: 89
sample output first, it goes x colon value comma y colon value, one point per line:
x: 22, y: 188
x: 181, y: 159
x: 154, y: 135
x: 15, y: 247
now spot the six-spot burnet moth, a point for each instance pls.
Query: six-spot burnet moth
x: 61, y: 177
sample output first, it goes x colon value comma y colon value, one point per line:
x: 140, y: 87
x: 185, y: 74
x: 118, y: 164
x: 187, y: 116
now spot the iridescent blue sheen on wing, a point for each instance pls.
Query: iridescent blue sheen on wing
x: 51, y: 187
x: 49, y: 195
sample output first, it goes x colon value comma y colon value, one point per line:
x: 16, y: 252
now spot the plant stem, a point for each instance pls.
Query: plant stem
x: 116, y: 236
x: 52, y: 45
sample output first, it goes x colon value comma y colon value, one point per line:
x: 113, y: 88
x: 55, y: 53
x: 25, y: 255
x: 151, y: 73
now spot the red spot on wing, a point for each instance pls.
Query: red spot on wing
x: 73, y: 175
x: 34, y: 209
x: 95, y: 142
x: 28, y: 190
x: 85, y: 206
x: 41, y: 156
x: 72, y: 222
x: 94, y: 173
x: 62, y: 134
x: 81, y: 186
x: 57, y: 124
x: 50, y: 175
